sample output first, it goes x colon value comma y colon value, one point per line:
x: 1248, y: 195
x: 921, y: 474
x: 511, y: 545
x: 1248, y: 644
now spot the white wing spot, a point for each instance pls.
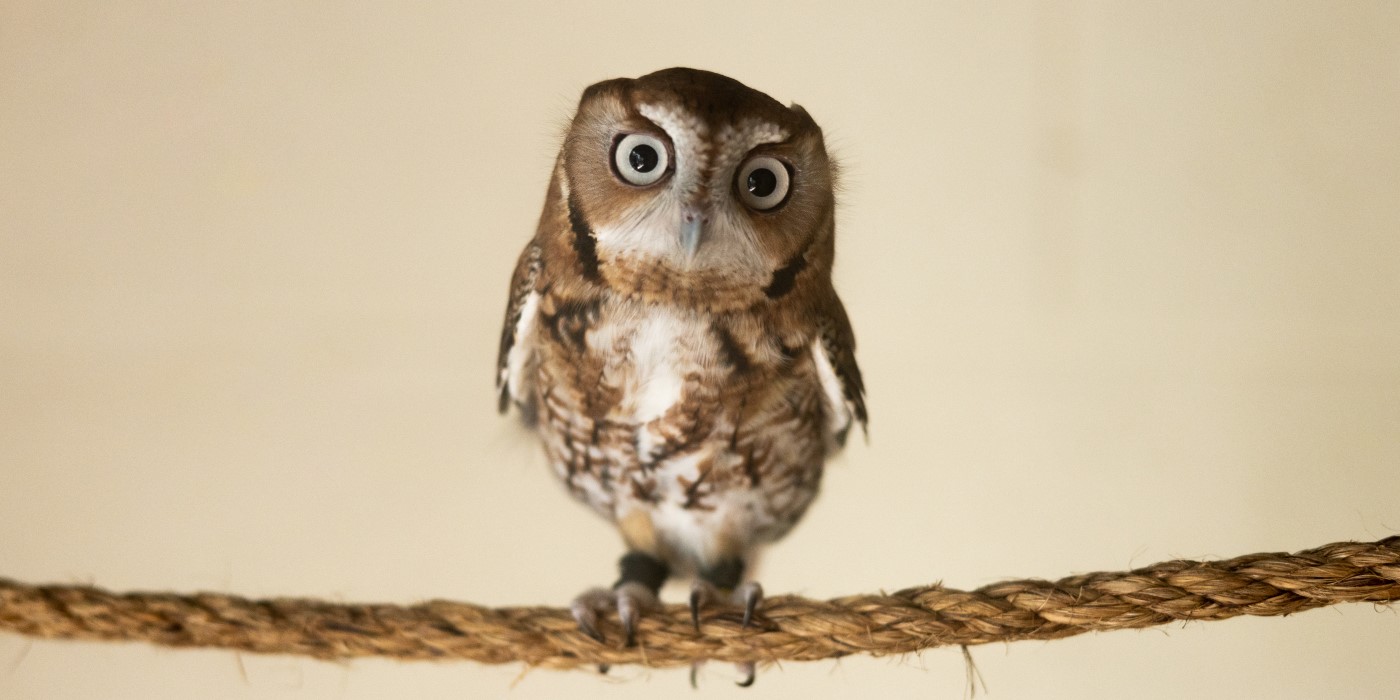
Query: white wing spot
x: 838, y: 413
x: 519, y: 353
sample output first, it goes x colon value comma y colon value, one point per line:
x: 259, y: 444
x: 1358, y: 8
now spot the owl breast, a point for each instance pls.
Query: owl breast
x: 700, y: 434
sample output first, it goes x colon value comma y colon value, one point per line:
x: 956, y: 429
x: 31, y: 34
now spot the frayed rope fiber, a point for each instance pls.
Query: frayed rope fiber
x: 787, y: 628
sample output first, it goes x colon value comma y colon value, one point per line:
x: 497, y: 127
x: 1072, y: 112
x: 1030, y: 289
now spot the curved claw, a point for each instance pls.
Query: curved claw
x: 701, y: 593
x: 695, y: 604
x: 631, y: 599
x: 746, y: 668
x: 629, y: 629
x: 750, y: 594
x: 591, y: 630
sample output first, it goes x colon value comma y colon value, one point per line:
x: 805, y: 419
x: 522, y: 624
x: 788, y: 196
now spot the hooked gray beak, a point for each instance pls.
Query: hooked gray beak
x: 693, y: 221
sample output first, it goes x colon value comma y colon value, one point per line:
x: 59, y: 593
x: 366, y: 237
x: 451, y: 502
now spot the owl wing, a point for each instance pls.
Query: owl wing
x: 834, y: 353
x: 521, y: 311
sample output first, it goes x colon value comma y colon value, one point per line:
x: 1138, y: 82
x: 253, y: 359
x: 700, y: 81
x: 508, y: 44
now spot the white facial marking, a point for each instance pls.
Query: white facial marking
x: 688, y: 139
x: 735, y: 142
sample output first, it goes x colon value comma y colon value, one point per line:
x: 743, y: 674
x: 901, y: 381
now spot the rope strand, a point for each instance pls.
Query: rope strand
x: 787, y: 628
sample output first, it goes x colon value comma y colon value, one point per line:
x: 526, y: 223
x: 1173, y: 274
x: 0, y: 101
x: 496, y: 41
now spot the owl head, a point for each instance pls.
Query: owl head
x: 686, y: 185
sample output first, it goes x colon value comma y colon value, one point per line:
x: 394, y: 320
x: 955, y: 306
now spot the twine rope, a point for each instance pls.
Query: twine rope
x: 787, y: 627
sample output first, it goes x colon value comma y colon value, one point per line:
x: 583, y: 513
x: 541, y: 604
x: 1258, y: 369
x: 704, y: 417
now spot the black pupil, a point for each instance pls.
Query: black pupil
x: 762, y: 182
x: 643, y: 158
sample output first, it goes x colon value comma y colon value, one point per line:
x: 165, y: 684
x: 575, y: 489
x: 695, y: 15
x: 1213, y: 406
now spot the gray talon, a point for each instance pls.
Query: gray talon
x: 701, y: 593
x: 694, y: 620
x: 750, y: 594
x: 629, y: 632
x: 746, y: 668
x: 631, y: 600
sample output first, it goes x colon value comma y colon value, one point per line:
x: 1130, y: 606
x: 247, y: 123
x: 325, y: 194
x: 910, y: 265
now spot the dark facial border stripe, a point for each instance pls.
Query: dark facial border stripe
x: 585, y: 245
x: 785, y: 277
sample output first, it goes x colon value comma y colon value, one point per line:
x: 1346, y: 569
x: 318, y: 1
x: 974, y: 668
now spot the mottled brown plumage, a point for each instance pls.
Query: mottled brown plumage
x: 672, y: 331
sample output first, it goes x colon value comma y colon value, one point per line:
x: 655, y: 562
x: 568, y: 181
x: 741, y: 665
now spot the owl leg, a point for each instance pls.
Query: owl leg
x: 634, y: 593
x: 718, y: 583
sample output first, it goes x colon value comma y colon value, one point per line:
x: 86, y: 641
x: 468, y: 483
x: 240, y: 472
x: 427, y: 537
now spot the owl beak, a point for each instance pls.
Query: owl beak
x: 693, y: 221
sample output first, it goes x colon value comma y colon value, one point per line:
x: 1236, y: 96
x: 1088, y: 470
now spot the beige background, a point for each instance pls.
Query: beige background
x: 1124, y: 277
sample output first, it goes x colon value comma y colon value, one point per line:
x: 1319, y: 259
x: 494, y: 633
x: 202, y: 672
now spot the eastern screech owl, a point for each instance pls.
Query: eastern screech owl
x: 672, y: 332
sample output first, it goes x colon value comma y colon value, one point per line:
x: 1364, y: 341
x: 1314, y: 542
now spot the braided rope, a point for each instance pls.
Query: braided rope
x: 788, y: 628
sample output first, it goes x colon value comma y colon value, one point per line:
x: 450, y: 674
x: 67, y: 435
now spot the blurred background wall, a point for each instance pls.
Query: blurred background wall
x: 1124, y: 277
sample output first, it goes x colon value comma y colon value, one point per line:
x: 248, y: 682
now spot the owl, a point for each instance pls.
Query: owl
x: 673, y: 336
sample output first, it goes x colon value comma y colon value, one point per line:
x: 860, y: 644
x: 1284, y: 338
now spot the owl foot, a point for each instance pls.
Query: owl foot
x: 633, y: 594
x: 629, y: 600
x: 746, y: 595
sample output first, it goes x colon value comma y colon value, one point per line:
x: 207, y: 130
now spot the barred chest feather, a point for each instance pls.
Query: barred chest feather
x: 700, y: 434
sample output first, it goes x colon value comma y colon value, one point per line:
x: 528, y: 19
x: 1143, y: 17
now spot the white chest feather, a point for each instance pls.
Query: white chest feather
x: 656, y: 359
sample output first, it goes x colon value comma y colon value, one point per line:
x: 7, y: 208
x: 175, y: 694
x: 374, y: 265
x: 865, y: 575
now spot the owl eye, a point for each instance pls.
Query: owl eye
x: 640, y: 159
x: 763, y: 182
